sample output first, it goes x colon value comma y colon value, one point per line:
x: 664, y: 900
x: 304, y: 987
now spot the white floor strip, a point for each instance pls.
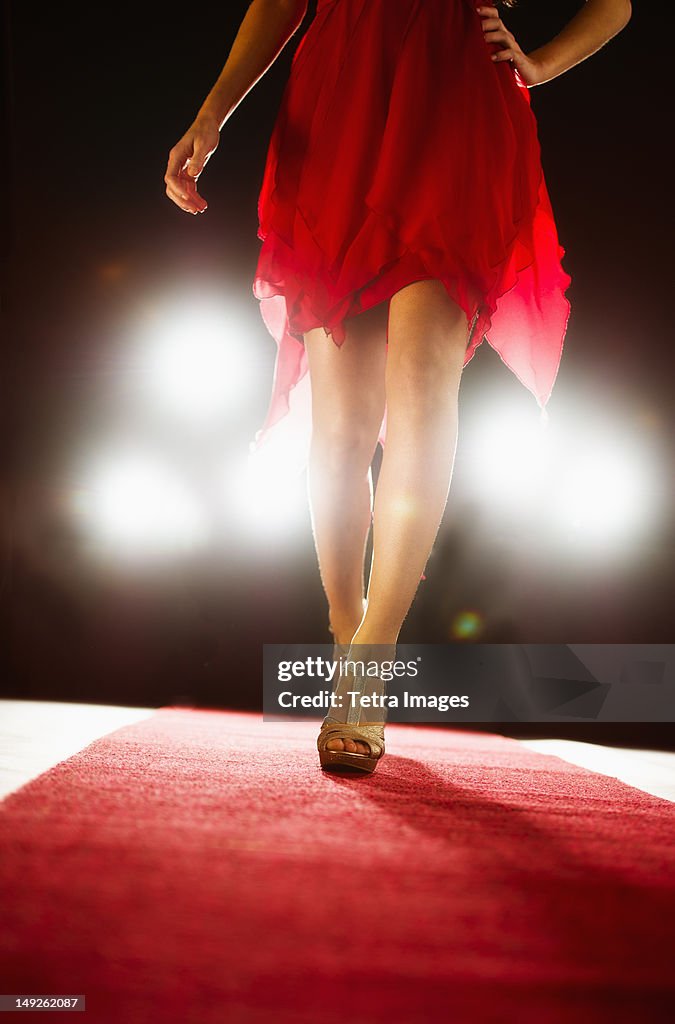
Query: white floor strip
x: 652, y: 771
x: 35, y: 735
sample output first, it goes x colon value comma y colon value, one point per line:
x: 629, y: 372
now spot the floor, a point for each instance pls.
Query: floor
x: 35, y: 735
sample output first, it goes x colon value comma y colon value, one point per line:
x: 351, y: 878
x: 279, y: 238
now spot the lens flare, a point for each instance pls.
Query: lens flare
x: 466, y: 625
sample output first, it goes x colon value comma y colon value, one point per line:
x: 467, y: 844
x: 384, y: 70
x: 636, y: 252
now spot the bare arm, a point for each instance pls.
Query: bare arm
x: 262, y: 35
x: 266, y: 28
x: 595, y: 24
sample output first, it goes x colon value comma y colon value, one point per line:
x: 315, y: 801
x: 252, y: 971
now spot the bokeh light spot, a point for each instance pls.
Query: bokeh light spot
x: 466, y: 625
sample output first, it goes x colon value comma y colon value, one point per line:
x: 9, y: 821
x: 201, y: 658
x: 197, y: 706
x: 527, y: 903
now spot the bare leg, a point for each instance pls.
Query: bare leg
x: 347, y: 408
x: 428, y: 335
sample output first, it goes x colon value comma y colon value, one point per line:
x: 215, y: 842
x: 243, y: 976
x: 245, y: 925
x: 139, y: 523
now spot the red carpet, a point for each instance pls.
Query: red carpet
x: 198, y: 867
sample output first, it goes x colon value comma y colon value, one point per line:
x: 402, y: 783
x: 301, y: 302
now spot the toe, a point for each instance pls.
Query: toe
x: 348, y: 746
x: 356, y: 747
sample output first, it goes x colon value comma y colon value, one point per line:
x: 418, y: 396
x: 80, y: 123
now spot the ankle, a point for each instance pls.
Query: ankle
x: 366, y: 636
x: 374, y: 645
x: 378, y: 647
x: 343, y: 627
x: 343, y: 634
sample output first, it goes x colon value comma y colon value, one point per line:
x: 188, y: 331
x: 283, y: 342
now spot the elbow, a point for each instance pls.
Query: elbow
x: 618, y: 15
x: 294, y: 8
x: 291, y: 11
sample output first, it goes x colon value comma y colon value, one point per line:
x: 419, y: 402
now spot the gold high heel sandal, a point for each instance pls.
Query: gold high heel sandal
x: 353, y: 726
x: 373, y: 735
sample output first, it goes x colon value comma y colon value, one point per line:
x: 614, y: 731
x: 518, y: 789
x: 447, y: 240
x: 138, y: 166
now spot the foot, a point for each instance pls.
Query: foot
x: 343, y: 638
x: 349, y: 746
x: 343, y: 632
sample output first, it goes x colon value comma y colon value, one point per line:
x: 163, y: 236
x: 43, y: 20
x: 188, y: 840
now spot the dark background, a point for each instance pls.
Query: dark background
x: 94, y: 99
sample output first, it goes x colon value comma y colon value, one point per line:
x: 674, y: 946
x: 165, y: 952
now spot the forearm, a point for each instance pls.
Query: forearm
x: 262, y: 35
x: 595, y: 24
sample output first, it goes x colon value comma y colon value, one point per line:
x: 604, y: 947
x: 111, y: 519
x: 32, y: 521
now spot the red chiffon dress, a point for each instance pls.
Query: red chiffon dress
x: 402, y: 152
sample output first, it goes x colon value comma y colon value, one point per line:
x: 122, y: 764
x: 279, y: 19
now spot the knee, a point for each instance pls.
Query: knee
x: 345, y: 443
x: 427, y: 376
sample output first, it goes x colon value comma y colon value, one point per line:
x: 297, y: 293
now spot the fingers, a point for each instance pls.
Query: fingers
x: 494, y: 31
x: 499, y: 36
x: 180, y: 187
x: 503, y: 55
x: 186, y: 196
x: 195, y: 166
x: 175, y: 187
x: 197, y: 161
x: 189, y: 188
x: 190, y: 203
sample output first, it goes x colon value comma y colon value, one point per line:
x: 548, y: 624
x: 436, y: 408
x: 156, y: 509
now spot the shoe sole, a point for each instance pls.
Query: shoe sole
x: 338, y: 760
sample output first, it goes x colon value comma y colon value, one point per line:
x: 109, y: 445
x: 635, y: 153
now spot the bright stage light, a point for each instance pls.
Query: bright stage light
x: 268, y: 489
x: 195, y: 359
x: 136, y: 503
x: 603, y: 496
x: 510, y: 456
x: 266, y: 499
x: 574, y: 476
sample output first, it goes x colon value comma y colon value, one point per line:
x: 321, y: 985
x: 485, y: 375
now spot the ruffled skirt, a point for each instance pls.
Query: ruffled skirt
x: 402, y: 152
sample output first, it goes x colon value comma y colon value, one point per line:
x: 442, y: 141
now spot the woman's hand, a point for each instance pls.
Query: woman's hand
x: 187, y: 160
x: 495, y: 31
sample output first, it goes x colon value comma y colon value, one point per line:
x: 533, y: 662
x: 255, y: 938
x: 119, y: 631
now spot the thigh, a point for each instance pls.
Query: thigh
x: 347, y: 381
x: 427, y: 326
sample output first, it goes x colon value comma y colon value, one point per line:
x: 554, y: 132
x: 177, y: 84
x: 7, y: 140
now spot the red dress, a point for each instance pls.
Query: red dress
x: 401, y: 152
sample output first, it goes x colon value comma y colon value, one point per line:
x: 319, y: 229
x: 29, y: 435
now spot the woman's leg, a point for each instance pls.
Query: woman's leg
x: 347, y: 409
x: 428, y: 336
